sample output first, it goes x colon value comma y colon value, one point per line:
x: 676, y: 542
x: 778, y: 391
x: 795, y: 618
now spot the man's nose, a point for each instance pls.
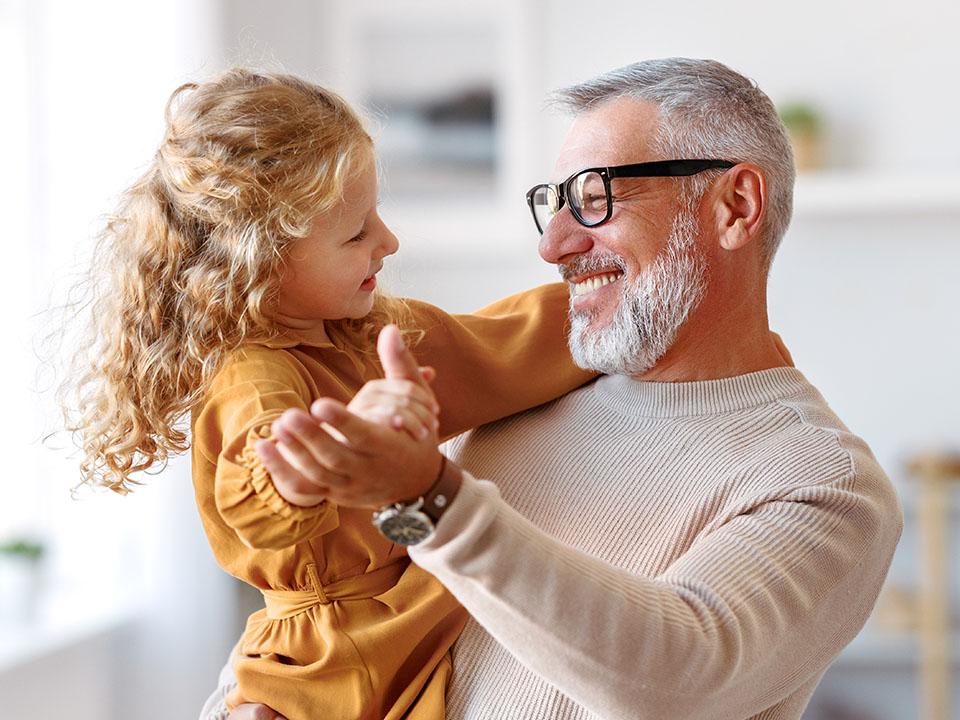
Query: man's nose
x: 564, y: 237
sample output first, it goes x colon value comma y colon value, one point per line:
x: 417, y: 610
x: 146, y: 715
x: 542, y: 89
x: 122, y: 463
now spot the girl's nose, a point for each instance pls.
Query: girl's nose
x: 389, y: 243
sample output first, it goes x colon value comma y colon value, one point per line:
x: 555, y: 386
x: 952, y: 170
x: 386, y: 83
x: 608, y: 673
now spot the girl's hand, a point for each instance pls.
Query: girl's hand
x: 401, y: 404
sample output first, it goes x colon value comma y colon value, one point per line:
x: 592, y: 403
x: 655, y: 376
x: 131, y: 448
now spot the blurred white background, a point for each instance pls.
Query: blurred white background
x: 131, y: 618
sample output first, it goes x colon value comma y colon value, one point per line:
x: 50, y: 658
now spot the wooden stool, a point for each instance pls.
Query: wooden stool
x: 935, y: 474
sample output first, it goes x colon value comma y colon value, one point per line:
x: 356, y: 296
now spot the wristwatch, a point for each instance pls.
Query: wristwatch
x: 412, y: 522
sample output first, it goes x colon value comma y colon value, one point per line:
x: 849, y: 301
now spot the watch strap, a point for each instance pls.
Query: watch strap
x: 438, y: 498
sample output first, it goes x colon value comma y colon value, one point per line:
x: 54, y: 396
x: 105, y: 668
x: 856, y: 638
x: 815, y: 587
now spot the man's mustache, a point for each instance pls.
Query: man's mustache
x: 584, y: 264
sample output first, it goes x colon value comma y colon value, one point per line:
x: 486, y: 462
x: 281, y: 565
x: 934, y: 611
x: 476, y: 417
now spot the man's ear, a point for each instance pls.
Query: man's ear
x: 741, y: 201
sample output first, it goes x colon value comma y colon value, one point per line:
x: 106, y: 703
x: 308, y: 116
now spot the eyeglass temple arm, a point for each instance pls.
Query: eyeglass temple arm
x: 667, y: 168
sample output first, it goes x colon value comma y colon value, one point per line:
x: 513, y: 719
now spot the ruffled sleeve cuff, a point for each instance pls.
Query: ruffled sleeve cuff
x: 251, y: 505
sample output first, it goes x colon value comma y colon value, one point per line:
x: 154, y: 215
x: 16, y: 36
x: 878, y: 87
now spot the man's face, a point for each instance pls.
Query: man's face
x: 635, y: 279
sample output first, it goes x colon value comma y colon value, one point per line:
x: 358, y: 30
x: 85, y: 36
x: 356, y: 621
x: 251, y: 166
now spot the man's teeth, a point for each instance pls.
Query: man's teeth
x: 597, y: 281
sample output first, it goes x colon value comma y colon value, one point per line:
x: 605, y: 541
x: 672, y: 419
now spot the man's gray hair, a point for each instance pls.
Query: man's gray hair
x: 706, y: 111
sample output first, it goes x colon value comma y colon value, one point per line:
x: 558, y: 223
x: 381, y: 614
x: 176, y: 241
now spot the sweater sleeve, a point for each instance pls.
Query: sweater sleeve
x: 757, y: 605
x: 215, y: 707
x: 245, y: 400
x: 504, y: 358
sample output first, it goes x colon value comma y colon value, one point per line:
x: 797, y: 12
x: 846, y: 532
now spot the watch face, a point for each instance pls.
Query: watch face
x: 405, y: 528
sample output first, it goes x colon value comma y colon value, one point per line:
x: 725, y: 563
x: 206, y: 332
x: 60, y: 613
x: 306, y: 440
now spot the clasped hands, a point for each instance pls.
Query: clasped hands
x: 379, y: 449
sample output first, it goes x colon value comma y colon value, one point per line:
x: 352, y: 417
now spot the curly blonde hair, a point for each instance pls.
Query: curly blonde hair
x: 187, y: 269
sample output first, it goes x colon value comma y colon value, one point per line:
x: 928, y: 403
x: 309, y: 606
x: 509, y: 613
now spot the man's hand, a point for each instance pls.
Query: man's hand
x: 331, y: 454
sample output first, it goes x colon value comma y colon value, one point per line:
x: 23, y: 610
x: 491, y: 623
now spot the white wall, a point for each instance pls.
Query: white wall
x: 884, y: 73
x: 137, y: 618
x: 76, y: 683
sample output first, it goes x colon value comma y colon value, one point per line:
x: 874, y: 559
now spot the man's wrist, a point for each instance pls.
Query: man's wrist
x: 442, y: 493
x: 410, y: 523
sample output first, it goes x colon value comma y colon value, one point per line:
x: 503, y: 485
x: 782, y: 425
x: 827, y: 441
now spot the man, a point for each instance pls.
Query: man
x: 693, y: 535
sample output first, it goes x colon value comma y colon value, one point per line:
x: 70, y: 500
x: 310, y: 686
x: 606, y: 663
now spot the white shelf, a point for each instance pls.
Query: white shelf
x: 836, y: 193
x: 454, y: 229
x: 872, y: 648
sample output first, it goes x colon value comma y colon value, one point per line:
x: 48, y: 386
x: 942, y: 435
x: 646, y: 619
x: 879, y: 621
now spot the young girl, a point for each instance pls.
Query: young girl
x: 237, y: 280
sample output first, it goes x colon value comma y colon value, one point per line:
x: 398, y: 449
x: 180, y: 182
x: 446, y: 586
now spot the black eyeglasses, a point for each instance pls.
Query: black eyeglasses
x: 587, y: 192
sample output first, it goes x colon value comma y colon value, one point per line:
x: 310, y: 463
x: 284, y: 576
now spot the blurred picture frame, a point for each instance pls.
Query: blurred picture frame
x: 447, y: 86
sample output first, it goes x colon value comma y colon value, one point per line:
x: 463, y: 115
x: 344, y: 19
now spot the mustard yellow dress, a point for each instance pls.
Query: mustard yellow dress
x: 352, y: 629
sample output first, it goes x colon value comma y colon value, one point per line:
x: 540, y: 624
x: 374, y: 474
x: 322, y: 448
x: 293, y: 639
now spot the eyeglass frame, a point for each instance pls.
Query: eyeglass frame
x: 655, y: 168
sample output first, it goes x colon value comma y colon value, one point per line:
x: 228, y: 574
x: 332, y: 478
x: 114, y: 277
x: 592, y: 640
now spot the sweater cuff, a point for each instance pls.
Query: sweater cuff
x: 467, y: 518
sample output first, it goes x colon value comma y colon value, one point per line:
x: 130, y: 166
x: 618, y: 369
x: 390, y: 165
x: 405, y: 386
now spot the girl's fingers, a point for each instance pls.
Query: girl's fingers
x: 425, y: 395
x: 400, y: 392
x: 426, y: 417
x: 408, y: 421
x: 395, y: 358
x: 397, y: 413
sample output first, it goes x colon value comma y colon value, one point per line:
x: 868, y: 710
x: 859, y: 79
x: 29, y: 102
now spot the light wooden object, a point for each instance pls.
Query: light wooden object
x: 936, y: 475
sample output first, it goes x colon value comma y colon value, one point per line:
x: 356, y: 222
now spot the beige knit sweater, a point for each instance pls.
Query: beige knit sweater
x: 662, y: 551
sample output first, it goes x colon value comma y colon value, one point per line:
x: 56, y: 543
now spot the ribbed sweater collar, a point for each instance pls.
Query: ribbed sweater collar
x: 704, y: 397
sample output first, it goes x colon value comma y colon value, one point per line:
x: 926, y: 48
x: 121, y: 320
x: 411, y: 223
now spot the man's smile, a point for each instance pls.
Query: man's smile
x: 584, y: 285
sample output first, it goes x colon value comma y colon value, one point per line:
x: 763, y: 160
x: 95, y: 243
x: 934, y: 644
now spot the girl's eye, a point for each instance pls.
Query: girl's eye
x: 358, y: 237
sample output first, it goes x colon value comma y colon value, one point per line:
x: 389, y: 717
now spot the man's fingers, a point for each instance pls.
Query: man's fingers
x: 396, y: 358
x: 292, y: 486
x: 357, y: 431
x: 254, y: 711
x: 312, y: 449
x: 299, y: 457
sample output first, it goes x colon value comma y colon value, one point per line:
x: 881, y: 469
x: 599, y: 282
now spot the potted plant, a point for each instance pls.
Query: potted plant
x: 805, y: 128
x: 20, y: 565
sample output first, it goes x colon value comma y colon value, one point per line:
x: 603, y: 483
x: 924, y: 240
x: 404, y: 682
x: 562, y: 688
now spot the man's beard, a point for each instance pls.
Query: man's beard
x: 650, y: 311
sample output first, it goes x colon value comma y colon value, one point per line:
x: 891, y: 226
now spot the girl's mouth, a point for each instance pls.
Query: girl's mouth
x: 369, y: 284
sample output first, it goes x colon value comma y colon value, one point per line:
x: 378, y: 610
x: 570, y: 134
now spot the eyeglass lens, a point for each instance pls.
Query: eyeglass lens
x: 546, y: 204
x: 588, y: 197
x: 586, y: 194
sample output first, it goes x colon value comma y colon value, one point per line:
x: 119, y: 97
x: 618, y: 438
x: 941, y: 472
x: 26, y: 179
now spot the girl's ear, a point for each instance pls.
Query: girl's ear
x: 741, y: 201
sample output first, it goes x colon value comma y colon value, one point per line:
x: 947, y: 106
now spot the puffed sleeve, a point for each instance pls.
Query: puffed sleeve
x: 502, y: 359
x: 245, y: 399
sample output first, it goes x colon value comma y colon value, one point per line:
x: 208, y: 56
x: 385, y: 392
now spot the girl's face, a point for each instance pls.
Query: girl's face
x: 331, y: 273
